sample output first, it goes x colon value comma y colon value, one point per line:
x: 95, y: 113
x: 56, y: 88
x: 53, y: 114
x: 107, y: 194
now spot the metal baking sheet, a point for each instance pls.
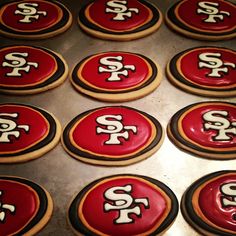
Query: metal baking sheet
x: 62, y: 175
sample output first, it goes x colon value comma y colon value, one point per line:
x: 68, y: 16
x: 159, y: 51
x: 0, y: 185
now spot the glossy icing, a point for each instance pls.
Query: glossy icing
x: 209, y: 16
x: 125, y: 205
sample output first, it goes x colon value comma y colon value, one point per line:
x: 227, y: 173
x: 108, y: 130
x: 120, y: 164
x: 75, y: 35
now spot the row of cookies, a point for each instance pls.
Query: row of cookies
x: 125, y: 205
x: 118, y: 76
x: 108, y: 19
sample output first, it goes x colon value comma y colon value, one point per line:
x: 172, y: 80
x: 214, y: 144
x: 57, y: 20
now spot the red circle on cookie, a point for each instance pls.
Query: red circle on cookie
x: 214, y: 67
x: 211, y: 15
x: 25, y: 66
x: 211, y: 125
x: 146, y: 202
x: 19, y: 204
x: 114, y: 71
x: 112, y: 131
x: 30, y: 16
x: 217, y: 201
x: 118, y: 16
x: 21, y: 128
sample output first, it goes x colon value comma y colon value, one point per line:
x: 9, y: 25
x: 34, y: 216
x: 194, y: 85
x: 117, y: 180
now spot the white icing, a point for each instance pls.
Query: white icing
x: 229, y: 191
x: 4, y: 207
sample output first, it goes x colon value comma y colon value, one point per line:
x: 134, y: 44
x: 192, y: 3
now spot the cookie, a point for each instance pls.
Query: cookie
x: 205, y: 20
x: 116, y: 76
x: 205, y: 71
x: 29, y: 69
x: 206, y: 129
x: 119, y: 20
x: 26, y: 132
x: 125, y: 205
x: 26, y: 207
x: 33, y: 19
x: 209, y: 203
x: 113, y: 135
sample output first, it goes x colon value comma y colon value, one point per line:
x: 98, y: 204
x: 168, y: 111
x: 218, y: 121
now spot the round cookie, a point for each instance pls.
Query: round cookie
x: 204, y: 20
x: 206, y: 129
x: 125, y: 205
x: 26, y: 132
x: 30, y: 69
x: 116, y: 76
x: 26, y: 207
x: 33, y: 19
x: 110, y: 136
x: 206, y: 71
x: 119, y: 20
x: 208, y: 205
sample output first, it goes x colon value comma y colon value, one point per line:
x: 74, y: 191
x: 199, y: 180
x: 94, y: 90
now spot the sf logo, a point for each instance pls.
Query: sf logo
x: 124, y: 203
x: 120, y: 8
x: 217, y: 120
x: 17, y: 62
x: 29, y: 11
x: 214, y: 62
x: 211, y: 9
x: 115, y: 67
x: 114, y: 128
x: 8, y: 127
x: 5, y: 207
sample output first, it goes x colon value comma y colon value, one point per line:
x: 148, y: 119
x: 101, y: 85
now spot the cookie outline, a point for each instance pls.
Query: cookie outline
x: 166, y: 223
x: 184, y: 143
x: 137, y: 91
x: 141, y: 31
x: 176, y: 77
x: 154, y: 143
x: 45, y: 210
x: 42, y: 146
x: 181, y: 27
x: 56, y: 79
x: 61, y: 25
x: 188, y: 208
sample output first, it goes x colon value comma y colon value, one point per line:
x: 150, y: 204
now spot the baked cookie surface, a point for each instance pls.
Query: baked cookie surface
x: 119, y: 20
x: 125, y: 205
x: 26, y: 132
x: 115, y: 135
x: 33, y: 19
x: 206, y: 129
x: 26, y: 207
x: 116, y: 76
x: 30, y: 69
x: 208, y: 204
x: 206, y: 20
x: 206, y: 71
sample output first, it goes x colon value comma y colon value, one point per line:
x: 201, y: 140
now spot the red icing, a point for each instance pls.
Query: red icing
x: 104, y: 221
x: 193, y: 128
x: 99, y: 79
x: 189, y: 65
x: 187, y: 12
x: 84, y: 134
x: 12, y: 20
x: 210, y: 203
x: 45, y: 69
x: 26, y: 205
x: 98, y: 14
x: 38, y: 128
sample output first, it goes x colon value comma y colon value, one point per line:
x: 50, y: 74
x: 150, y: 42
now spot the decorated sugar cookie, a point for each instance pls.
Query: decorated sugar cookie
x: 207, y: 20
x: 30, y: 69
x: 119, y: 20
x: 112, y: 136
x: 116, y: 76
x: 207, y: 71
x: 206, y: 129
x: 209, y: 204
x: 26, y: 132
x: 26, y: 207
x: 33, y: 19
x: 123, y: 205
